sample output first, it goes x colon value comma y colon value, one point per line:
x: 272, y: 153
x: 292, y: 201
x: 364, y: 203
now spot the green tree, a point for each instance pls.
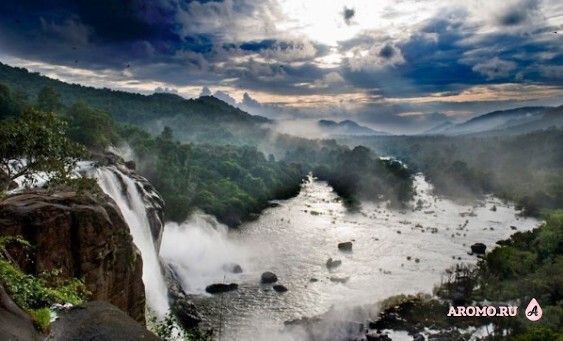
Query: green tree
x: 37, y: 142
x: 48, y: 99
x: 91, y: 127
x: 9, y: 106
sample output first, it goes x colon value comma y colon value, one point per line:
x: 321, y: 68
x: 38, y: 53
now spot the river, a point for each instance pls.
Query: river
x: 394, y: 252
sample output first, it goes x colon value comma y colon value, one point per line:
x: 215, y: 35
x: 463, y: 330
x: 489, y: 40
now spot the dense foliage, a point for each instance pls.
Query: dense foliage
x: 36, y: 294
x: 525, y: 168
x: 229, y: 182
x: 36, y: 142
x: 525, y: 266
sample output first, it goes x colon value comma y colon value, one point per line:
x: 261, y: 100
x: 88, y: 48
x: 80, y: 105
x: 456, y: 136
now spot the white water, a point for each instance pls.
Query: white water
x: 295, y: 244
x: 130, y: 202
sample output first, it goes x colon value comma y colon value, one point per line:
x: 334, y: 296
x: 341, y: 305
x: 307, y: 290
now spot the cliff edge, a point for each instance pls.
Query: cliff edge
x: 83, y: 236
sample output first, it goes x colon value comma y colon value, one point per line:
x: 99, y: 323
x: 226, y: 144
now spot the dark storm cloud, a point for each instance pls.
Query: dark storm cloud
x: 519, y: 13
x: 387, y: 51
x: 79, y: 32
x: 447, y: 55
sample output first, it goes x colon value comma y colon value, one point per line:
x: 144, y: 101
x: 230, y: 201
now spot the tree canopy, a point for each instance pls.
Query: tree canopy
x: 37, y: 142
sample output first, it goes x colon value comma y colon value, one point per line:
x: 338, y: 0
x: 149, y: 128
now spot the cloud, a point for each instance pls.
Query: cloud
x: 375, y: 57
x: 225, y: 97
x: 165, y: 90
x: 330, y: 79
x: 519, y: 12
x: 427, y: 54
x: 205, y: 92
x: 495, y: 68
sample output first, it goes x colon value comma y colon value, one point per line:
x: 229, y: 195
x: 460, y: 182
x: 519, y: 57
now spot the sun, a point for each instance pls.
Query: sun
x: 325, y: 22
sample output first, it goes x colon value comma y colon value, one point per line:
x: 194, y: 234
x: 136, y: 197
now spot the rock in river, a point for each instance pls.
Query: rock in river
x: 232, y: 268
x: 280, y: 288
x: 345, y: 246
x: 331, y: 264
x: 478, y: 248
x: 269, y: 277
x: 220, y: 288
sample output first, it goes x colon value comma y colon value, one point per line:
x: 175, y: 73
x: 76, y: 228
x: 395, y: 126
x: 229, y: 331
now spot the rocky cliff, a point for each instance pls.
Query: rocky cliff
x: 82, y: 235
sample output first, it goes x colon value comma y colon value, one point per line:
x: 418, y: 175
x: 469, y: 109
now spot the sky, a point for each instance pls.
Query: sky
x: 395, y: 65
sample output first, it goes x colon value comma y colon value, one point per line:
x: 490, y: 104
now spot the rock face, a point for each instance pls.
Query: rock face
x: 15, y: 324
x: 85, y: 236
x: 478, y: 248
x: 97, y: 321
x: 186, y: 312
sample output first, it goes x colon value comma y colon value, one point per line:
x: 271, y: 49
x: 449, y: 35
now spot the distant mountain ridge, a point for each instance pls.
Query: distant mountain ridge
x: 123, y: 106
x: 204, y: 119
x: 347, y: 127
x: 503, y: 122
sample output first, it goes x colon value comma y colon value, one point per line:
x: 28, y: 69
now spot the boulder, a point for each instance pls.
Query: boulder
x: 15, y: 324
x: 269, y: 277
x: 232, y: 268
x: 220, y: 288
x: 84, y: 236
x: 332, y: 264
x: 184, y: 309
x: 97, y: 321
x: 377, y: 337
x: 418, y: 337
x: 131, y: 165
x: 280, y: 288
x: 478, y: 248
x: 345, y: 246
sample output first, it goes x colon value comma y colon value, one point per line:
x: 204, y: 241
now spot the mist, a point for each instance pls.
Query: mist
x: 200, y: 252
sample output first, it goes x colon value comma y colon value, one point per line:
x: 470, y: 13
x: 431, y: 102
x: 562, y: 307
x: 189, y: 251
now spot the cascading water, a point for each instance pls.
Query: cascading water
x: 128, y: 195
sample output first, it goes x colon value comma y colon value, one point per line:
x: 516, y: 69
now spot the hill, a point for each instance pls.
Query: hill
x: 205, y: 119
x: 347, y: 127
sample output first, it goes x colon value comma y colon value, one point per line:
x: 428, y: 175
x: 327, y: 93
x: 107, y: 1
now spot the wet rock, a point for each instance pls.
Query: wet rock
x: 478, y: 248
x: 280, y: 288
x: 15, y: 324
x: 458, y: 299
x: 377, y: 337
x: 232, y: 268
x: 339, y: 279
x: 333, y: 264
x: 220, y: 288
x: 185, y: 310
x: 345, y: 246
x: 97, y: 321
x: 131, y: 165
x: 418, y: 337
x: 269, y: 277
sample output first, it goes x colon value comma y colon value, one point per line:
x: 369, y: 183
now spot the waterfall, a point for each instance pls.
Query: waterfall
x: 130, y: 194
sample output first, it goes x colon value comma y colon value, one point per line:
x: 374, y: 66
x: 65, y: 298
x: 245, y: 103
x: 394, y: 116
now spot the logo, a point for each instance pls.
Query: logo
x: 533, y: 311
x: 483, y: 311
